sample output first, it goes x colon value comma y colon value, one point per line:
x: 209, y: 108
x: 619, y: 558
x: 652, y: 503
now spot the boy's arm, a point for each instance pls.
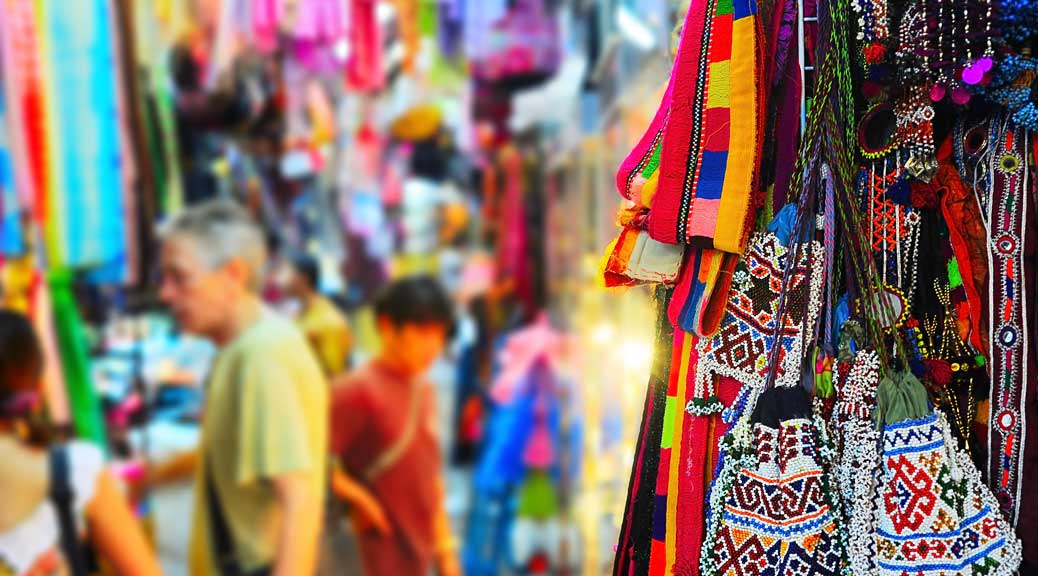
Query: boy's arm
x: 367, y: 508
x: 444, y: 545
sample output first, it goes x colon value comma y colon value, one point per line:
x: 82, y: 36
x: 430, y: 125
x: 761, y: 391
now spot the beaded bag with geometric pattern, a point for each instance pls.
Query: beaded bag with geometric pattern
x: 934, y: 514
x: 772, y: 510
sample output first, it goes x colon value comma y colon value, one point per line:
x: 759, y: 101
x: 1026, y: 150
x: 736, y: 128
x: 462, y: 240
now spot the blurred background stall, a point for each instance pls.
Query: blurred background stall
x: 472, y: 140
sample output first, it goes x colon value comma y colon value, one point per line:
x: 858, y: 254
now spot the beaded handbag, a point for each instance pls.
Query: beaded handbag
x: 934, y: 514
x: 771, y: 509
x: 754, y: 333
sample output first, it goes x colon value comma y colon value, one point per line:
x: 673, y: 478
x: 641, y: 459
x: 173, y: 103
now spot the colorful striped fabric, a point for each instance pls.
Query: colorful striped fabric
x: 10, y: 207
x: 687, y: 457
x: 712, y: 138
x: 700, y: 298
x: 86, y: 223
x: 697, y: 163
x: 663, y: 551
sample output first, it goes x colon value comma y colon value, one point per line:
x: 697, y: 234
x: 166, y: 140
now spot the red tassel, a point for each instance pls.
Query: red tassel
x: 875, y: 53
x: 940, y: 373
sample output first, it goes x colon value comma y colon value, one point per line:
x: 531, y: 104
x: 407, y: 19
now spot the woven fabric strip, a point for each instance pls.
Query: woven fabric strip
x: 634, y: 546
x: 1007, y: 217
x: 699, y: 299
x: 712, y: 143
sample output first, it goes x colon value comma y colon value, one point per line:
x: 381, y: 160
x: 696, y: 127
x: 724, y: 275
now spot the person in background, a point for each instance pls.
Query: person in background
x: 321, y: 321
x: 260, y: 468
x: 40, y: 530
x: 383, y: 432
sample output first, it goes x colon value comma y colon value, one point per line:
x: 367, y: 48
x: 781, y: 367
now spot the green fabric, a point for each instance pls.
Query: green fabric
x: 669, y: 411
x: 537, y: 497
x: 954, y: 275
x: 266, y: 416
x: 653, y: 163
x: 428, y: 22
x: 900, y: 397
x: 87, y: 418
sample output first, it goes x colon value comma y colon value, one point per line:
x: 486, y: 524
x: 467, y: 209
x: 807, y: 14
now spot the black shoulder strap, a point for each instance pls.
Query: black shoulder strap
x: 225, y: 558
x: 62, y: 496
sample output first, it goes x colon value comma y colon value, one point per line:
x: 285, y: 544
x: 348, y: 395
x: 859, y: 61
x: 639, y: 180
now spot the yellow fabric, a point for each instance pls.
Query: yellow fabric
x: 730, y: 229
x: 720, y: 95
x: 328, y: 332
x: 16, y: 278
x: 648, y: 191
x: 266, y: 415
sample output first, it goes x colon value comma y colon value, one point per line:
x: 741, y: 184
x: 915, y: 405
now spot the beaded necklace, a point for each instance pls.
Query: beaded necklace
x: 944, y: 344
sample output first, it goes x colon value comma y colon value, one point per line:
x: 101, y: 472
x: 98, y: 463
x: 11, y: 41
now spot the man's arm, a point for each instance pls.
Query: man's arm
x: 300, y: 527
x: 177, y: 467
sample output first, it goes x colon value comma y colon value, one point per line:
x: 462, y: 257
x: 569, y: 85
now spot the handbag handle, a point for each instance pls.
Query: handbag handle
x: 62, y: 495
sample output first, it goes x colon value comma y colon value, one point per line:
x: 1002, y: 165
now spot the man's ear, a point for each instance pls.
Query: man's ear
x: 239, y: 271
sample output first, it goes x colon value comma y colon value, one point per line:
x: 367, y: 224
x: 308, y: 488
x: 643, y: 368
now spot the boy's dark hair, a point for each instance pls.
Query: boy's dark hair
x: 416, y: 300
x: 21, y: 355
x: 309, y: 269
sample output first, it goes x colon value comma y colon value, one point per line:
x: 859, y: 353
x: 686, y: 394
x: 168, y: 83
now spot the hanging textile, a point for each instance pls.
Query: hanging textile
x: 23, y: 91
x: 1007, y: 221
x: 698, y: 161
x: 711, y: 147
x: 71, y: 339
x: 636, y: 535
x: 936, y: 516
x: 742, y: 347
x: 85, y: 223
x: 11, y: 238
x: 364, y: 70
x: 150, y: 46
x: 772, y: 510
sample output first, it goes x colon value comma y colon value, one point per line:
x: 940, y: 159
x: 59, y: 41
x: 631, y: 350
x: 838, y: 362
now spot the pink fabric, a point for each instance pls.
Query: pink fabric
x: 524, y: 348
x: 663, y: 222
x: 364, y: 69
x: 700, y: 450
x: 628, y: 168
x: 539, y: 453
x: 319, y: 20
x: 265, y: 14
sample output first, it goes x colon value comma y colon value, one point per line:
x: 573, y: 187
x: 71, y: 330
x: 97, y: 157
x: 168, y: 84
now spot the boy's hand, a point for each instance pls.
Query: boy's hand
x: 367, y: 514
x: 369, y: 517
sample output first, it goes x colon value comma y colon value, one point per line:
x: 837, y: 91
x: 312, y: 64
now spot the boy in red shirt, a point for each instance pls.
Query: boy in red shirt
x: 384, y: 435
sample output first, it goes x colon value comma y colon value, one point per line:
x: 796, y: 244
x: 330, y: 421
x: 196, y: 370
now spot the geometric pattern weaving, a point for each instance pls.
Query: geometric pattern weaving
x: 777, y: 520
x: 935, y: 515
x: 742, y: 346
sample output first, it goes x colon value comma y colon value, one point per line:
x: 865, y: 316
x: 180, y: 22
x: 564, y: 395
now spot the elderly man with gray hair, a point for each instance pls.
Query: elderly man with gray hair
x: 260, y: 466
